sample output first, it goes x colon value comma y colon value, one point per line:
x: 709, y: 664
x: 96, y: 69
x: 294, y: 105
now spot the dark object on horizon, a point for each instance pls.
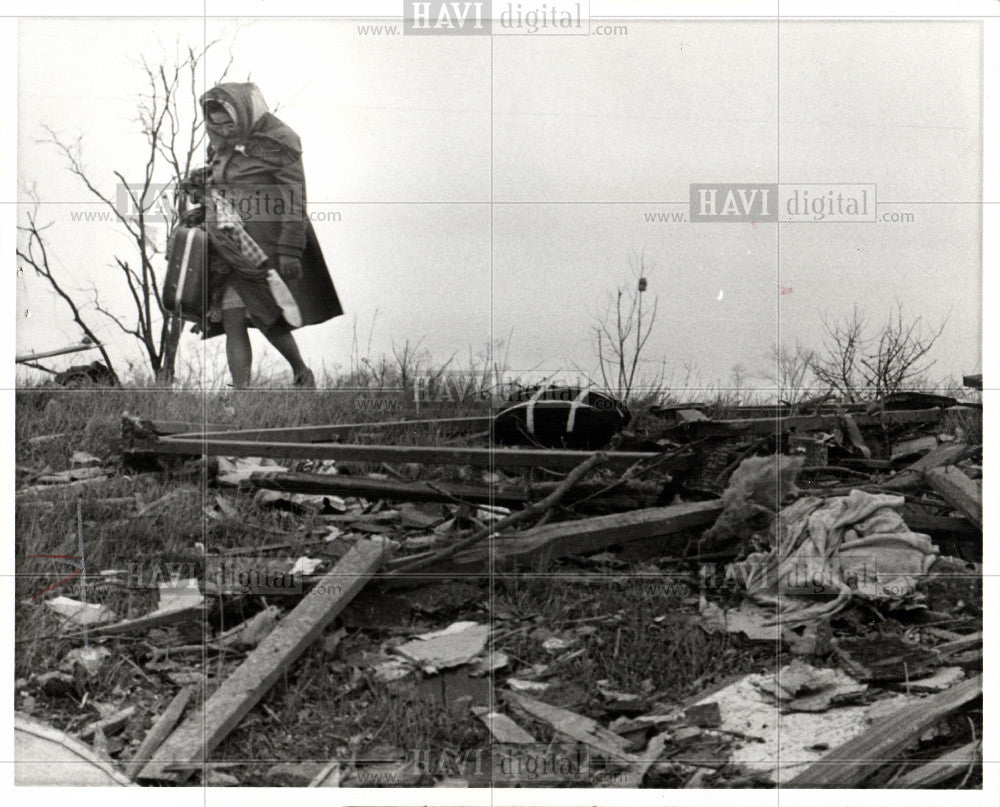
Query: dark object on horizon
x: 973, y: 381
x: 84, y: 375
x: 912, y: 400
x: 185, y: 292
x: 567, y: 417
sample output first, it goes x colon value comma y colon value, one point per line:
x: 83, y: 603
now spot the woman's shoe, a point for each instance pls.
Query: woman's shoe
x: 305, y: 379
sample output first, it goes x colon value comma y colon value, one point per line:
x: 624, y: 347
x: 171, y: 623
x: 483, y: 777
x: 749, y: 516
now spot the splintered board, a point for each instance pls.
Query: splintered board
x: 189, y: 746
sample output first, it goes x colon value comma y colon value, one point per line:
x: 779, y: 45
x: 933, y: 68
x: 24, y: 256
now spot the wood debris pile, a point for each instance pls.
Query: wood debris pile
x: 880, y: 508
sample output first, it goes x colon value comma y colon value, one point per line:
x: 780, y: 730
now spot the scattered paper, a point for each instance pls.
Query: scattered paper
x: 82, y: 613
x: 179, y: 595
x: 749, y: 619
x: 89, y: 659
x: 236, y: 470
x: 523, y: 685
x: 943, y: 679
x: 779, y: 746
x: 305, y: 565
x: 800, y: 687
x: 457, y: 644
x: 488, y: 663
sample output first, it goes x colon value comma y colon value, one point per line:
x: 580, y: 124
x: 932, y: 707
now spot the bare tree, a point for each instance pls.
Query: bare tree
x: 32, y: 251
x: 791, y: 372
x: 620, y: 335
x: 862, y: 362
x: 167, y: 116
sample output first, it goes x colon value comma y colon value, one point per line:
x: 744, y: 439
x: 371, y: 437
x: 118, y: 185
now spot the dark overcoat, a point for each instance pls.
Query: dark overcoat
x: 259, y: 172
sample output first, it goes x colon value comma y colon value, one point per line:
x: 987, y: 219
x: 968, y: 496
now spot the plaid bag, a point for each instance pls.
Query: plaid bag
x: 231, y: 240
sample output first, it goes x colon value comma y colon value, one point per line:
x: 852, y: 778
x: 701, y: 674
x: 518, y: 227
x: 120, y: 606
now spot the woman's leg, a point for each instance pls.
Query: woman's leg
x: 238, y: 350
x: 280, y: 335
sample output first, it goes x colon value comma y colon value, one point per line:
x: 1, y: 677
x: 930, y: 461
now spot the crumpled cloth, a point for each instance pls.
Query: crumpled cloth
x: 227, y: 234
x: 827, y: 551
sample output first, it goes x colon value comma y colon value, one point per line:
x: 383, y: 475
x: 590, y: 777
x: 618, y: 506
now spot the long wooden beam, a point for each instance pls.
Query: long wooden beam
x: 543, y: 544
x: 849, y: 764
x: 209, y: 725
x: 429, y: 455
x: 912, y: 474
x: 324, y: 433
x: 814, y: 423
x: 27, y: 357
x: 952, y: 485
x: 629, y: 497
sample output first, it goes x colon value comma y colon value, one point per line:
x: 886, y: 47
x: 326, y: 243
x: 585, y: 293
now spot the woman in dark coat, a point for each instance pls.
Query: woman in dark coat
x: 255, y: 169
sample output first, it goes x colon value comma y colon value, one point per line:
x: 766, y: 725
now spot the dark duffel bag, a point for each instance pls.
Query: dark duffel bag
x: 185, y: 289
x: 560, y: 417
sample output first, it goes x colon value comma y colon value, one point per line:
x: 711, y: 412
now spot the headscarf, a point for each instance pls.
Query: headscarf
x: 245, y: 105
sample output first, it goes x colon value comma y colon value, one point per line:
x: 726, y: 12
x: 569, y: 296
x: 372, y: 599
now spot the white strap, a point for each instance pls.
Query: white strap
x: 182, y: 280
x: 530, y: 416
x: 577, y: 403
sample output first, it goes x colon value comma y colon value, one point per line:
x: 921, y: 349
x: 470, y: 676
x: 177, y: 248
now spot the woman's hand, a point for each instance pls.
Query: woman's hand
x: 289, y: 268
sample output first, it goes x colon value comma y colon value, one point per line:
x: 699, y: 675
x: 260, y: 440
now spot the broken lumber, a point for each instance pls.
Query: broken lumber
x: 202, y: 732
x: 348, y: 452
x: 580, y: 537
x: 629, y: 498
x: 155, y: 619
x: 849, y: 764
x: 48, y: 354
x: 816, y: 423
x: 535, y: 510
x: 920, y: 519
x: 955, y: 762
x: 952, y: 485
x: 323, y: 433
x: 160, y: 730
x: 576, y: 727
x: 944, y: 454
x: 109, y: 724
x: 505, y: 730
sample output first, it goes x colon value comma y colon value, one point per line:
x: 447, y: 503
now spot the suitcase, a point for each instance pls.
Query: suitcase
x: 185, y: 288
x: 560, y: 417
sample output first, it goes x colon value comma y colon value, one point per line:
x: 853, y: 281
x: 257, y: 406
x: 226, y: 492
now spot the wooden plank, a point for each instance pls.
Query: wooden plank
x: 26, y: 357
x: 155, y: 619
x: 626, y: 497
x: 108, y: 725
x: 392, y: 489
x: 919, y: 519
x: 850, y: 763
x: 202, y: 732
x: 160, y: 730
x: 918, y: 445
x: 577, y: 727
x: 325, y: 432
x: 429, y: 455
x: 944, y: 454
x: 956, y: 762
x: 815, y: 423
x: 962, y: 493
x: 505, y: 730
x: 566, y: 538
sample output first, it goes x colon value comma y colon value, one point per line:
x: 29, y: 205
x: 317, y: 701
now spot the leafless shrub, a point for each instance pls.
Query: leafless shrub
x: 861, y: 361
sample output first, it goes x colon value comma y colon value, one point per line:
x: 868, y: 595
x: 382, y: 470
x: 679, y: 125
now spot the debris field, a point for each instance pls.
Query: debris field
x: 762, y: 596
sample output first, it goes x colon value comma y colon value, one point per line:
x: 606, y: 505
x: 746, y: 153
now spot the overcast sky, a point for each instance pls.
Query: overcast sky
x: 494, y: 189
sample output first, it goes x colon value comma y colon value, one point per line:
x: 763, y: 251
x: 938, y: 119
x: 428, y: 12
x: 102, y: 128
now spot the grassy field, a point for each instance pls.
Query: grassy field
x: 625, y: 624
x: 330, y: 705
